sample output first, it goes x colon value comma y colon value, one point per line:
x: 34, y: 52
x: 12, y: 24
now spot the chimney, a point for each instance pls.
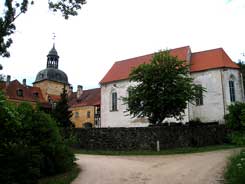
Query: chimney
x: 79, y: 91
x: 8, y: 79
x: 24, y: 82
x: 70, y: 91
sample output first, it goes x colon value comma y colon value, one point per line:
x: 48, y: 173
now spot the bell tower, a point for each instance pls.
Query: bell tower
x: 53, y: 58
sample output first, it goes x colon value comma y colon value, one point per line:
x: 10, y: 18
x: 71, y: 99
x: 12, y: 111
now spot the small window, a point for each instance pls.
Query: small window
x: 114, y: 101
x: 20, y: 92
x: 232, y: 91
x: 41, y: 75
x: 35, y: 95
x: 199, y: 98
x: 88, y: 114
x: 76, y: 114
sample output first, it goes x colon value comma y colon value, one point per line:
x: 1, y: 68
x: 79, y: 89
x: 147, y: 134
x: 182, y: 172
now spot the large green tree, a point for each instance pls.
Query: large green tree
x: 13, y: 9
x: 61, y: 111
x: 162, y: 88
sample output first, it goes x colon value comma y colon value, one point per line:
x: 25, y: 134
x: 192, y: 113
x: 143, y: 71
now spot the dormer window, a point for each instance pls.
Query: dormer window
x: 19, y: 92
x: 36, y: 95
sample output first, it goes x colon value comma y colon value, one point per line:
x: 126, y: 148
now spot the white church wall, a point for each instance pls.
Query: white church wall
x: 117, y: 118
x: 213, y: 108
x: 232, y: 74
x: 213, y: 103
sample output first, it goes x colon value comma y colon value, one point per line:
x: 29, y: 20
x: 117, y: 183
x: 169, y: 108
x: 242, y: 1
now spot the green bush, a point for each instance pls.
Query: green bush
x: 236, y: 168
x: 30, y: 146
x: 235, y: 120
x: 237, y: 137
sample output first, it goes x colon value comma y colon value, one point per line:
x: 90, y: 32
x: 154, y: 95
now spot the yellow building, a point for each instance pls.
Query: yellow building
x: 85, y: 107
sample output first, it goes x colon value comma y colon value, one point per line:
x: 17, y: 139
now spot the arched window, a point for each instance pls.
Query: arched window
x: 199, y: 98
x: 114, y: 101
x: 232, y: 88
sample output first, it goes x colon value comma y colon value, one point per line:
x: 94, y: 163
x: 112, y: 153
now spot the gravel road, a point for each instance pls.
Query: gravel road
x: 196, y: 168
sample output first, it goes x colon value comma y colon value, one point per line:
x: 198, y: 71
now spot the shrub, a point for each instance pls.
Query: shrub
x: 30, y: 146
x: 42, y: 131
x: 237, y: 137
x: 236, y: 168
x: 235, y: 120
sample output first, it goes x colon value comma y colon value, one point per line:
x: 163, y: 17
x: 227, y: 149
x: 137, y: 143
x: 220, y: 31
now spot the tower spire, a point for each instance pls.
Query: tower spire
x: 53, y: 58
x: 54, y: 36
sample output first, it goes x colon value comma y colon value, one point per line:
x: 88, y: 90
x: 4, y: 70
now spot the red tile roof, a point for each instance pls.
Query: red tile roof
x: 29, y: 92
x: 89, y: 97
x: 121, y: 69
x: 54, y: 98
x: 210, y: 59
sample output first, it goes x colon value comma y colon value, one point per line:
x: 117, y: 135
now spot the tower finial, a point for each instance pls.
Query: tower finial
x: 54, y: 36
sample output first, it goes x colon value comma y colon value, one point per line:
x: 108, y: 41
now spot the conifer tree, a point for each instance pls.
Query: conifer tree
x: 61, y: 112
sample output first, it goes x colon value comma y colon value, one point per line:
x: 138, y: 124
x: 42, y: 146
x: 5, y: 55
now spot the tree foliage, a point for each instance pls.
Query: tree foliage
x: 61, y: 112
x: 235, y: 120
x: 30, y: 146
x: 162, y: 88
x: 13, y: 9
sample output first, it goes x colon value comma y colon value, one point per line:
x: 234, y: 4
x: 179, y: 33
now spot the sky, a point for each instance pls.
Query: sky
x: 108, y: 31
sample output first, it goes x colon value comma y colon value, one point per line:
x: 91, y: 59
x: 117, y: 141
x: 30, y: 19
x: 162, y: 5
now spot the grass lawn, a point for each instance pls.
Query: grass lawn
x: 162, y: 152
x: 235, y: 172
x: 65, y: 178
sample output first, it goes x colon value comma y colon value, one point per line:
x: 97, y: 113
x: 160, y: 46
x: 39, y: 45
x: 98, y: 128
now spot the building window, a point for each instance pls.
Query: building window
x: 88, y: 114
x: 232, y: 91
x: 199, y: 98
x: 20, y: 92
x: 114, y: 101
x: 35, y: 95
x: 76, y: 114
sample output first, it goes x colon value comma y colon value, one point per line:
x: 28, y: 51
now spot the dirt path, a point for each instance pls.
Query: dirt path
x: 197, y: 168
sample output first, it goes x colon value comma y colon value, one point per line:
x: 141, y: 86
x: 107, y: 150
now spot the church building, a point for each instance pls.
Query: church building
x: 212, y: 69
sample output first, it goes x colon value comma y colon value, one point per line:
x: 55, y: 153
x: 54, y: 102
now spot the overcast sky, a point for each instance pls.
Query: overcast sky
x: 112, y: 30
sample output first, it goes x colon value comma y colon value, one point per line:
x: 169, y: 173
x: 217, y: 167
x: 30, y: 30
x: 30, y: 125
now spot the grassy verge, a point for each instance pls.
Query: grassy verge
x: 65, y: 178
x: 235, y: 172
x: 162, y: 152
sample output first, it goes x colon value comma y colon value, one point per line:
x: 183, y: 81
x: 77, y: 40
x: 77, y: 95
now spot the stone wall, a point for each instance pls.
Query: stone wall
x: 145, y: 138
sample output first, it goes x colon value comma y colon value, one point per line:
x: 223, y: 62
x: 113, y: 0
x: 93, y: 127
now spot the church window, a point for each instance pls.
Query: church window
x: 199, y: 98
x: 20, y: 92
x: 114, y: 101
x: 232, y: 91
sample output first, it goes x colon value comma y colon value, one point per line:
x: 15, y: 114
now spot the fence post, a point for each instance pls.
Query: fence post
x: 158, y: 146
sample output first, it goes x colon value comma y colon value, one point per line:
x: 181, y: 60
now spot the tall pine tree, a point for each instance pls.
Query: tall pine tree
x: 61, y: 112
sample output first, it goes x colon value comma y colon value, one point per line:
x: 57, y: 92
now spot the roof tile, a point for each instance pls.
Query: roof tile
x: 28, y: 92
x: 121, y: 69
x: 89, y: 97
x: 210, y: 59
